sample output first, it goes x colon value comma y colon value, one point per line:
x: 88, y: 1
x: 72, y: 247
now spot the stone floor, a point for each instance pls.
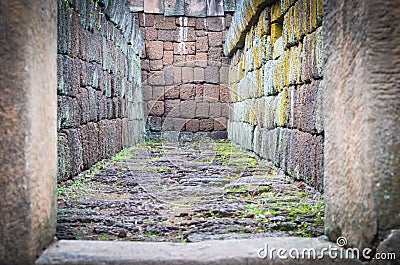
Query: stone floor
x: 186, y: 192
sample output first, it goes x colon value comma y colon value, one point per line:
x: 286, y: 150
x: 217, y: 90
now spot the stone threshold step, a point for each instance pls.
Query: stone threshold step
x: 243, y: 251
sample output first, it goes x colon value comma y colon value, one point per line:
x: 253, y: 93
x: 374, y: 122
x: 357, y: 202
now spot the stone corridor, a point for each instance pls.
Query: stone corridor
x: 186, y: 192
x: 309, y: 88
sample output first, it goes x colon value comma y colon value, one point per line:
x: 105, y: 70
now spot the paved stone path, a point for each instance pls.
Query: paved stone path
x: 186, y: 192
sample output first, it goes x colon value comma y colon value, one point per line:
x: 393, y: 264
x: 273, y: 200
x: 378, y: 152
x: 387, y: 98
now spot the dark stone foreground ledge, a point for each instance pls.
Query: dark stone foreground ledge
x: 207, y: 252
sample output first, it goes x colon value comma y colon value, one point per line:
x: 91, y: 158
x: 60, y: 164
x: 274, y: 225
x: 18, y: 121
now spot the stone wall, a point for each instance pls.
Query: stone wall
x: 362, y: 122
x: 276, y: 84
x: 28, y: 109
x: 99, y: 83
x: 184, y: 72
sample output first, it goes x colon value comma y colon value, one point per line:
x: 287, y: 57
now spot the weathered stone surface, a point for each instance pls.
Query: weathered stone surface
x: 174, y: 7
x: 172, y: 92
x: 165, y: 35
x: 103, y: 78
x: 215, y: 39
x: 28, y: 141
x: 202, y: 109
x: 240, y: 25
x: 190, y: 44
x: 229, y: 5
x: 212, y: 74
x: 154, y: 6
x: 362, y: 140
x: 268, y: 92
x: 215, y: 23
x: 187, y: 91
x: 156, y: 108
x: 195, y: 8
x: 136, y: 5
x: 215, y: 8
x: 198, y: 74
x: 193, y: 125
x: 154, y: 50
x: 188, y: 109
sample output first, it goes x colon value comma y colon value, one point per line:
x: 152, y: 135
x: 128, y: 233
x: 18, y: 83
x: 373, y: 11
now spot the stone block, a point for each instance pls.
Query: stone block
x: 220, y: 124
x: 276, y: 32
x: 174, y: 7
x: 158, y: 92
x: 202, y: 109
x: 224, y: 75
x: 168, y: 46
x: 201, y: 136
x: 169, y: 75
x: 214, y: 56
x: 190, y: 60
x: 198, y: 74
x: 215, y: 110
x: 179, y: 60
x: 211, y: 92
x: 206, y: 125
x: 68, y: 115
x: 156, y: 78
x: 177, y: 75
x: 156, y: 108
x: 229, y: 5
x: 145, y: 65
x: 151, y: 34
x: 282, y: 112
x: 225, y: 108
x: 201, y: 59
x: 187, y: 74
x: 162, y: 22
x: 215, y: 24
x: 187, y: 91
x: 136, y: 5
x: 154, y: 123
x: 184, y: 34
x: 186, y: 136
x: 154, y: 6
x: 212, y: 74
x: 188, y: 109
x: 201, y: 24
x: 215, y: 7
x: 195, y: 8
x: 90, y: 150
x: 199, y: 91
x: 215, y: 39
x: 154, y: 50
x: 193, y: 125
x: 166, y: 35
x: 185, y: 48
x: 202, y: 44
x: 156, y: 65
x: 168, y: 58
x: 171, y: 104
x: 68, y: 78
x: 171, y: 92
x: 224, y: 93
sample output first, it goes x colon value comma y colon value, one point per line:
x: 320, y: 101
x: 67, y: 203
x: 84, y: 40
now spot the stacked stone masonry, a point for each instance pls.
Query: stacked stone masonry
x: 276, y: 84
x: 184, y: 70
x: 100, y: 108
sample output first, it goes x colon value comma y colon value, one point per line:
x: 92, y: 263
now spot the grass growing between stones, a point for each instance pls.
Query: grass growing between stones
x: 186, y: 192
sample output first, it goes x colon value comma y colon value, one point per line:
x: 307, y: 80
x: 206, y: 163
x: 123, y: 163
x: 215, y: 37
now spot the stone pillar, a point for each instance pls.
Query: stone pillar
x: 362, y: 121
x: 28, y: 139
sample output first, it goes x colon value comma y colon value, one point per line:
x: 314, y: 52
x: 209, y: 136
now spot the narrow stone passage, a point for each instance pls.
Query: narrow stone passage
x: 186, y: 192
